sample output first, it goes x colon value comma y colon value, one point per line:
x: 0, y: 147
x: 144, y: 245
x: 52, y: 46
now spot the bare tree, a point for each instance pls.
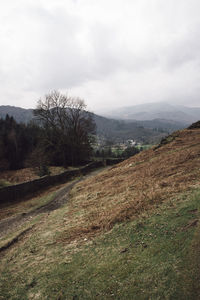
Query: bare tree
x: 67, y: 125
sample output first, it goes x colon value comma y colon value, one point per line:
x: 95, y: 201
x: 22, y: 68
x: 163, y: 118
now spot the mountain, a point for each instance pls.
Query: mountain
x: 19, y: 114
x: 112, y: 129
x: 141, y: 131
x: 151, y: 111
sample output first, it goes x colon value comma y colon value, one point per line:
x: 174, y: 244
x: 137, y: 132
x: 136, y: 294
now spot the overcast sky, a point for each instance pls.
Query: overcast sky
x: 112, y: 53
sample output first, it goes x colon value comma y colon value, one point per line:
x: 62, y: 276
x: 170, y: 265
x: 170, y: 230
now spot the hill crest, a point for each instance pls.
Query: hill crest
x: 160, y: 110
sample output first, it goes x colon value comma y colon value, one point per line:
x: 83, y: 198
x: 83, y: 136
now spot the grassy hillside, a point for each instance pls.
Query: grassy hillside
x: 130, y: 232
x: 140, y: 182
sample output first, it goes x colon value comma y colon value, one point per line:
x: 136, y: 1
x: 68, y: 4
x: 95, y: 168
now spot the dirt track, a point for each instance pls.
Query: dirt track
x: 7, y: 225
x: 11, y: 224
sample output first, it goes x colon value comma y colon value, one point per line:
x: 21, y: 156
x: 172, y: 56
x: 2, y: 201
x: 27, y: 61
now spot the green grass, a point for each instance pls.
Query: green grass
x: 26, y: 206
x: 5, y: 240
x: 145, y: 147
x: 41, y: 201
x: 4, y: 183
x: 153, y: 257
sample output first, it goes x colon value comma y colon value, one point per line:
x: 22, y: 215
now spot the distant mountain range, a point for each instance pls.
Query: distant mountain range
x: 21, y: 115
x: 145, y: 131
x: 152, y: 111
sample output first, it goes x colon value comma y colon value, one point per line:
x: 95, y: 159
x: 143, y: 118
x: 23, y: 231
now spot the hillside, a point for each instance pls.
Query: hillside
x: 119, y: 130
x: 107, y: 128
x: 20, y: 114
x: 130, y: 232
x: 146, y: 179
x: 116, y: 130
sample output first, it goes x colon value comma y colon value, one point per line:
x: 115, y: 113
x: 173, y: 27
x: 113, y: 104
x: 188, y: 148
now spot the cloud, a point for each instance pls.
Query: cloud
x: 112, y: 53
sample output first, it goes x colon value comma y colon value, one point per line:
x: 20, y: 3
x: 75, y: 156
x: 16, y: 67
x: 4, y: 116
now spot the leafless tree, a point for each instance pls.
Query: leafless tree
x: 67, y: 125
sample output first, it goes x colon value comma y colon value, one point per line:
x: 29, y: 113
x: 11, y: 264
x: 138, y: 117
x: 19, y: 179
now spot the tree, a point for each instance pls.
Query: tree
x: 130, y: 151
x: 67, y: 126
x: 38, y: 160
x: 17, y: 141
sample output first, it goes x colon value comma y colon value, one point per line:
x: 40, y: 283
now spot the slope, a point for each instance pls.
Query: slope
x: 19, y: 114
x: 131, y: 232
x: 137, y: 184
x: 116, y: 130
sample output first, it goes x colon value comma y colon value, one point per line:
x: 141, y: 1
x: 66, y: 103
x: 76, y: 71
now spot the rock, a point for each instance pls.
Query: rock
x: 124, y: 250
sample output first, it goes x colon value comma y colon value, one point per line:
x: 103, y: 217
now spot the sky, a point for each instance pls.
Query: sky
x: 111, y: 53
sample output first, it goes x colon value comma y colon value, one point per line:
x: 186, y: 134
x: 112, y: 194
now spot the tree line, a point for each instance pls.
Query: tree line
x: 60, y: 134
x: 107, y: 152
x: 17, y: 141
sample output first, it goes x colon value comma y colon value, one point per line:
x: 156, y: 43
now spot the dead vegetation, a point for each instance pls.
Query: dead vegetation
x: 55, y: 257
x: 195, y: 125
x: 133, y: 186
x: 136, y: 185
x: 26, y: 174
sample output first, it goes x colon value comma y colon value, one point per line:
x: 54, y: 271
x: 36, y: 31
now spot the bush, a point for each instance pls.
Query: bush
x: 4, y: 183
x: 130, y: 151
x: 43, y: 170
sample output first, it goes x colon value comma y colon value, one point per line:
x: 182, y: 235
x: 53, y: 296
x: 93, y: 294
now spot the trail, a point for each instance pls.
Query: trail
x: 11, y: 224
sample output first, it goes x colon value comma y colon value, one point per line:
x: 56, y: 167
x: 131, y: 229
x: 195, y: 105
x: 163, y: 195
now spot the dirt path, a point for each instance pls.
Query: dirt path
x: 7, y: 225
x: 11, y: 224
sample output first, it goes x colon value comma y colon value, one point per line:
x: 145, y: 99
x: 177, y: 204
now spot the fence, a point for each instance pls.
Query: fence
x: 17, y: 191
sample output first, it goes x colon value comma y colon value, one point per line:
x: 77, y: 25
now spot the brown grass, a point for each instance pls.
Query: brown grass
x: 26, y: 174
x: 133, y: 186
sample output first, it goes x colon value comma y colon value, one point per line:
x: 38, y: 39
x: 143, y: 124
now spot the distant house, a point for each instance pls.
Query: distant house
x: 131, y: 143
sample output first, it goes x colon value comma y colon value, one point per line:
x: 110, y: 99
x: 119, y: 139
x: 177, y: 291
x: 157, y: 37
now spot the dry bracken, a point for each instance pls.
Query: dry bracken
x: 133, y: 186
